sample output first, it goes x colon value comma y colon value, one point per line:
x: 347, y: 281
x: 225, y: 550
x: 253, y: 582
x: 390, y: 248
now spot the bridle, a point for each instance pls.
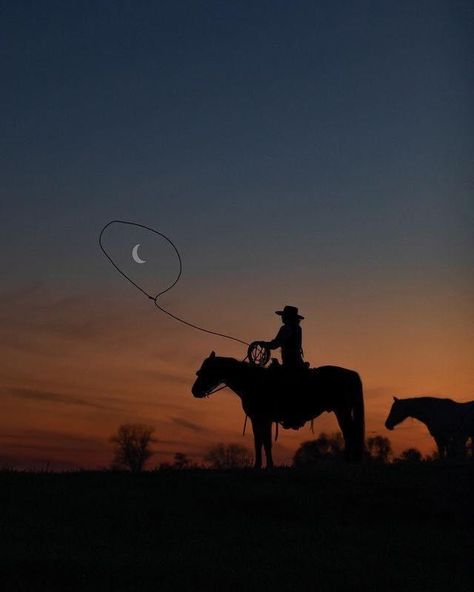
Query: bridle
x: 214, y: 389
x: 219, y: 386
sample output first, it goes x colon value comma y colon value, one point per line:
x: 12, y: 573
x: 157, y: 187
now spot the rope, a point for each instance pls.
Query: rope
x: 178, y: 277
x: 123, y: 274
x: 197, y: 326
x: 245, y: 424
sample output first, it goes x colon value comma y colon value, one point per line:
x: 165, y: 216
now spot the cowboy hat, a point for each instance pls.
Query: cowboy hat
x: 289, y: 311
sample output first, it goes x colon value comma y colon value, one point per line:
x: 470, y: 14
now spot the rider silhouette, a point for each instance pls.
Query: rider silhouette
x: 289, y: 338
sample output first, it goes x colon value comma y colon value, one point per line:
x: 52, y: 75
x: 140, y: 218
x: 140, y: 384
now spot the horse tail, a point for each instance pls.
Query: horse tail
x: 358, y: 421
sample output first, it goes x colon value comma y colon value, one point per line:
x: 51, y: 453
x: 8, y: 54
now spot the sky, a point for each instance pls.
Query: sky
x: 317, y: 154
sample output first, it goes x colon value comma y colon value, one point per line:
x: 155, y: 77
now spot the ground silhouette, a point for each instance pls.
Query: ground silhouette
x: 339, y: 526
x: 289, y: 397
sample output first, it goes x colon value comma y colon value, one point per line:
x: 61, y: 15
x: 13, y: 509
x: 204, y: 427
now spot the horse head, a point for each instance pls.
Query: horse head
x: 397, y: 414
x: 208, y: 377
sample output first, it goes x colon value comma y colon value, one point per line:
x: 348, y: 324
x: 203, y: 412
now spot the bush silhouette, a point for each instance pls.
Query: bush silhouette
x: 379, y: 449
x: 410, y: 455
x: 181, y: 461
x: 228, y: 456
x: 324, y: 447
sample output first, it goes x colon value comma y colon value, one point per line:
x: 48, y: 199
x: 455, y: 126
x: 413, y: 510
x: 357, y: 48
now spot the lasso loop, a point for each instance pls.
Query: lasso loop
x: 123, y: 274
x: 155, y: 298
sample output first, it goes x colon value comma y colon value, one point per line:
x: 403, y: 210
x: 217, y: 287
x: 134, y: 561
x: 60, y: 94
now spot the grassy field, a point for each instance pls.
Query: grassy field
x: 337, y: 527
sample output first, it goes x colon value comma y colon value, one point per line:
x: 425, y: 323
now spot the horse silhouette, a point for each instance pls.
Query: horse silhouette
x: 450, y: 423
x: 289, y: 397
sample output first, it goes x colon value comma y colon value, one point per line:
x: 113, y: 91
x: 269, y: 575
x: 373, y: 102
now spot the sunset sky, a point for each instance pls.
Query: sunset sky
x: 317, y: 154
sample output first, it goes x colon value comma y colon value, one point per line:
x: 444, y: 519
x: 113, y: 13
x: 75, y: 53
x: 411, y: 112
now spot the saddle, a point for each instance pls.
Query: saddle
x: 292, y: 380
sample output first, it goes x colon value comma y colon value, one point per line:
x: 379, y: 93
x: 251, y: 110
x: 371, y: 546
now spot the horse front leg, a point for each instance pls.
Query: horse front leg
x: 345, y: 423
x: 267, y: 443
x: 258, y: 441
x: 441, y: 445
x: 457, y: 447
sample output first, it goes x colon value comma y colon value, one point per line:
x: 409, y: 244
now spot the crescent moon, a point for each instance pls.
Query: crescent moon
x: 135, y: 255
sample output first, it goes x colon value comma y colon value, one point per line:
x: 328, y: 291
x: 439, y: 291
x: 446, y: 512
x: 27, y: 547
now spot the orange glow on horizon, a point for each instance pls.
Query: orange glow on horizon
x: 75, y: 369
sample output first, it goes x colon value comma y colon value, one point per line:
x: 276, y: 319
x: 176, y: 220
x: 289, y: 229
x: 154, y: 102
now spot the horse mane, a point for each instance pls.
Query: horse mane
x: 426, y: 399
x: 241, y: 363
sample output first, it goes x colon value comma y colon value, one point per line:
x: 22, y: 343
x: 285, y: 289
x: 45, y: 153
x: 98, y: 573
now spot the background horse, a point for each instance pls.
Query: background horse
x: 291, y: 397
x: 450, y: 423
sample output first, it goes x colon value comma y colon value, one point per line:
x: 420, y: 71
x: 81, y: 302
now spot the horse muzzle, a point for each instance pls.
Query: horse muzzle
x: 197, y: 392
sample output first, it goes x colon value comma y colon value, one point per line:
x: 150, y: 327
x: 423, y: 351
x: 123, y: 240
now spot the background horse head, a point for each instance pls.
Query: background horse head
x: 400, y: 411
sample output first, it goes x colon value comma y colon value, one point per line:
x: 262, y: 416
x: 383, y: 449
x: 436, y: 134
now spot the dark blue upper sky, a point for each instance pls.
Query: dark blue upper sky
x: 312, y: 138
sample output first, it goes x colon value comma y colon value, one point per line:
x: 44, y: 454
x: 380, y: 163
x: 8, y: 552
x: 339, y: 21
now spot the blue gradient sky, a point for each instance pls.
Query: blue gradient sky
x: 311, y: 153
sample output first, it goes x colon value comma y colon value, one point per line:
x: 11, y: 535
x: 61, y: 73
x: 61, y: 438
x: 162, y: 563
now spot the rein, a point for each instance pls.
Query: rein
x: 215, y: 390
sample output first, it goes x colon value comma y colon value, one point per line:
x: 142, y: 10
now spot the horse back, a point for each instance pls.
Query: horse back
x: 335, y: 374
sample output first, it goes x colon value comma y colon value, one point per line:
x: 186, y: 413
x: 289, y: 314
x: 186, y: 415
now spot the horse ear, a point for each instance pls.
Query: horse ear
x: 395, y: 399
x: 213, y: 355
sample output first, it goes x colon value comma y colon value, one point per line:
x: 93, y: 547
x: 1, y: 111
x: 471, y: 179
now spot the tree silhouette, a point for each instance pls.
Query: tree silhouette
x: 325, y: 446
x: 379, y: 449
x: 133, y: 446
x: 410, y: 455
x: 228, y: 456
x: 181, y: 461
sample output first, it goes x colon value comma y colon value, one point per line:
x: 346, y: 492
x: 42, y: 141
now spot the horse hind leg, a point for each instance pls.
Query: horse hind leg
x: 453, y: 448
x: 350, y: 417
x: 458, y: 447
x: 258, y: 442
x: 441, y: 445
x: 267, y: 443
x: 345, y: 423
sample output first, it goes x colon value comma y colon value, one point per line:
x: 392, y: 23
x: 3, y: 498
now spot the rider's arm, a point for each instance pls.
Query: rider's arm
x: 279, y: 339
